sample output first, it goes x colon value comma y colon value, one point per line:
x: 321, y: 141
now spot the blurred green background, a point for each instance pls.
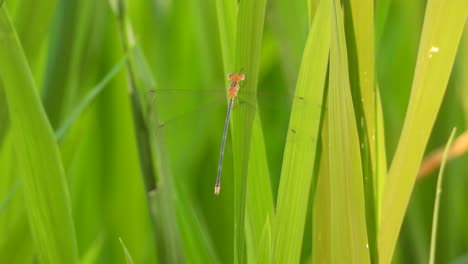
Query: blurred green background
x: 72, y: 46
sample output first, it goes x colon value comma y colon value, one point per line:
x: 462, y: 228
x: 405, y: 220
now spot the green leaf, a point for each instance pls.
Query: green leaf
x: 45, y: 189
x: 128, y: 257
x: 259, y: 194
x: 88, y: 99
x: 435, y: 217
x: 321, y: 224
x: 300, y: 150
x: 349, y: 232
x: 264, y: 252
x: 443, y: 26
x: 247, y: 56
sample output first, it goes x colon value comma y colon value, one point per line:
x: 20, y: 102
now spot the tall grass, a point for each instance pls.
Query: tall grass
x: 341, y: 101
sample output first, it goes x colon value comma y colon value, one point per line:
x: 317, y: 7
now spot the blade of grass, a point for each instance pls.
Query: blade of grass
x: 264, y: 245
x: 33, y: 23
x: 300, y: 150
x: 359, y: 15
x: 435, y: 216
x: 45, y: 190
x: 128, y: 257
x: 249, y: 35
x: 4, y: 121
x: 88, y: 99
x: 259, y: 194
x: 321, y: 224
x: 349, y: 232
x: 443, y: 26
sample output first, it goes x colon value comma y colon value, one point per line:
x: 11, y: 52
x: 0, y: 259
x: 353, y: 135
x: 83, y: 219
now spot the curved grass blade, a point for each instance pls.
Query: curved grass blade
x: 443, y: 26
x: 300, y: 151
x: 45, y: 189
x: 88, y: 99
x: 435, y: 216
x: 128, y: 257
x: 349, y: 231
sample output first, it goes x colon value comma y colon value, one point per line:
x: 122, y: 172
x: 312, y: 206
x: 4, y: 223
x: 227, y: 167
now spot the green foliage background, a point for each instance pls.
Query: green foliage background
x: 322, y: 169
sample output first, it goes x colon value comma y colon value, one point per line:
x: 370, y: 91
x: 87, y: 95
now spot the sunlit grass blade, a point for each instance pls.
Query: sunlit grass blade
x: 321, y: 224
x: 359, y: 24
x: 443, y: 26
x: 249, y: 33
x: 300, y: 151
x: 92, y: 253
x: 435, y: 216
x: 264, y: 246
x: 45, y: 189
x: 349, y: 231
x: 259, y: 194
x: 128, y: 257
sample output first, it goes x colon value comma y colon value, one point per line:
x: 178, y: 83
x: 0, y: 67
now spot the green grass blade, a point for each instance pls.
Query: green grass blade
x: 349, y: 232
x: 4, y: 121
x: 321, y: 224
x: 250, y: 21
x: 359, y: 15
x: 33, y: 23
x: 128, y: 257
x: 45, y: 189
x: 264, y: 252
x: 92, y: 253
x: 443, y: 26
x: 435, y: 217
x: 227, y: 14
x: 88, y: 100
x: 259, y: 194
x: 300, y: 150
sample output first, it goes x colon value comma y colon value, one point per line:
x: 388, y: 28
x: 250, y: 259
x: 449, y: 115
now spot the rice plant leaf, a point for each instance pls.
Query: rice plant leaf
x: 300, y: 150
x: 45, y: 189
x: 349, y: 231
x: 128, y: 257
x: 321, y: 224
x: 33, y: 24
x: 443, y: 26
x: 435, y: 216
x: 227, y: 14
x: 91, y: 255
x: 249, y: 34
x: 359, y: 15
x: 4, y: 121
x: 88, y: 99
x: 264, y: 252
x: 259, y: 194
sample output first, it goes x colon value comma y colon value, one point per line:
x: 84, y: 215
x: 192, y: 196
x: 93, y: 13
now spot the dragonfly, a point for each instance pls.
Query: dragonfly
x: 235, y: 78
x: 198, y: 107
